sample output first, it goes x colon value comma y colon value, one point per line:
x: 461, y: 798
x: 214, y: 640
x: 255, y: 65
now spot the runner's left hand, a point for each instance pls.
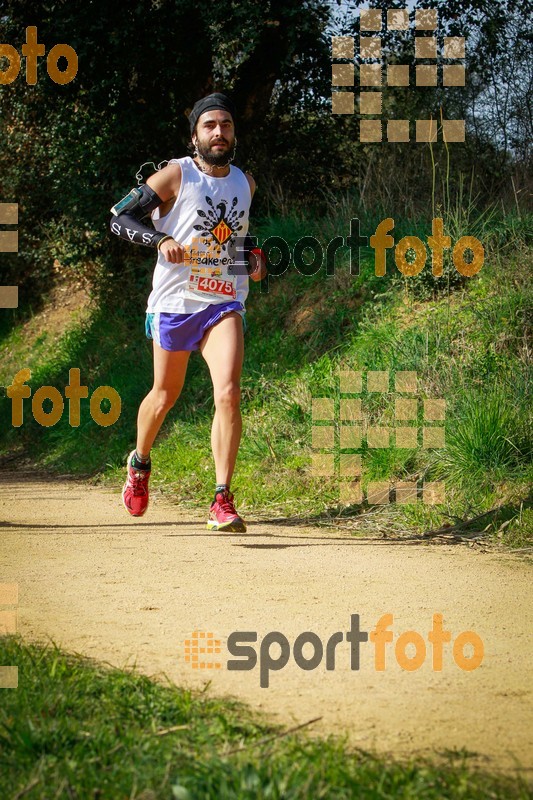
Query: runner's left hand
x: 258, y: 264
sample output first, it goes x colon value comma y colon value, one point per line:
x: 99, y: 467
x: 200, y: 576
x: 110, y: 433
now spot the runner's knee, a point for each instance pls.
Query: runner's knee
x: 163, y: 400
x: 229, y: 396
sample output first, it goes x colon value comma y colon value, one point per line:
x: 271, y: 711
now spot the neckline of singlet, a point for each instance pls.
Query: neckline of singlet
x: 212, y: 177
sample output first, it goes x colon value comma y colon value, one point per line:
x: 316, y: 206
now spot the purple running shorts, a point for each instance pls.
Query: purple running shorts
x: 185, y: 331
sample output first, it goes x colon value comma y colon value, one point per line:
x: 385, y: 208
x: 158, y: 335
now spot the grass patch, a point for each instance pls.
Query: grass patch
x: 75, y: 728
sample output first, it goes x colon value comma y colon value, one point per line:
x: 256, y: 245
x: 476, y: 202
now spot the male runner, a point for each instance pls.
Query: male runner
x: 199, y: 206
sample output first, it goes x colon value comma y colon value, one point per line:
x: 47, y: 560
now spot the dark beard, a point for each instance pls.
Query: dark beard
x: 215, y: 159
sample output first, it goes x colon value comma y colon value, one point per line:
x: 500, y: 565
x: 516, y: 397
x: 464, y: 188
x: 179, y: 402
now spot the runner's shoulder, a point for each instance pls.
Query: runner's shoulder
x: 166, y: 181
x: 251, y: 180
x: 172, y: 171
x: 249, y: 177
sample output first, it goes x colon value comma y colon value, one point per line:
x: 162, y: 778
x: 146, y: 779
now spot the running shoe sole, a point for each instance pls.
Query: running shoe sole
x: 228, y: 527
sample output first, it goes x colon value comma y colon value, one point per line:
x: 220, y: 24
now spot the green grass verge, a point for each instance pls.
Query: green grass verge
x: 77, y: 729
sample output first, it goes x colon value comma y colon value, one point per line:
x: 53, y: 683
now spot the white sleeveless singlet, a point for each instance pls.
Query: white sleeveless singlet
x: 207, y: 216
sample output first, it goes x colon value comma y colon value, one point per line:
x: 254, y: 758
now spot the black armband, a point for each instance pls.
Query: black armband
x: 129, y: 212
x: 139, y: 202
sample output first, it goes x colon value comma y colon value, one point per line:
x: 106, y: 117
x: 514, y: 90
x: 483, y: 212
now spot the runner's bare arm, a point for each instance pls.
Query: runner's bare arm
x: 166, y: 183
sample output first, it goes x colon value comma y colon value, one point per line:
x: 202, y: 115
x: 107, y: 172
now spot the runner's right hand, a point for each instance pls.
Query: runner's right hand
x: 172, y: 251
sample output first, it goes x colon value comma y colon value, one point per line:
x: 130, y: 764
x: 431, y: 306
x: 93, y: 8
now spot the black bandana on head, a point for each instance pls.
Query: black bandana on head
x: 210, y: 103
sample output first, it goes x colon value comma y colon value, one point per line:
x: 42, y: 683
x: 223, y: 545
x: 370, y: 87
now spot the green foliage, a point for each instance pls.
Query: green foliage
x: 71, y: 151
x: 491, y: 436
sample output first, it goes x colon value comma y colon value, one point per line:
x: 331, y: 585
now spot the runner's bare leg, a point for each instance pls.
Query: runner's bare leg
x: 223, y: 350
x: 169, y: 376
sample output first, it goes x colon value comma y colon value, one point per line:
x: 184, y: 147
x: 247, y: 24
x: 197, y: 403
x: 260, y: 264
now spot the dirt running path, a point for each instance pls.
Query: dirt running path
x: 125, y: 590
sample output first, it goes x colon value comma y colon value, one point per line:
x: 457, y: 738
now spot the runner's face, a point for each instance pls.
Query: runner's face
x: 215, y: 137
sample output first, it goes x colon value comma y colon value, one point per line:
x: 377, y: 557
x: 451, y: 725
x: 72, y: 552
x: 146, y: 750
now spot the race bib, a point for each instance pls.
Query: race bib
x: 207, y: 282
x: 209, y: 270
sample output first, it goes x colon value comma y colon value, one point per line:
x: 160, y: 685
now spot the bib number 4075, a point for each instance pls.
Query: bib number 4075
x: 216, y: 286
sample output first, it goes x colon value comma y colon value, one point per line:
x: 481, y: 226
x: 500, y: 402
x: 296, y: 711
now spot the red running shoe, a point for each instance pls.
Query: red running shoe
x: 223, y: 516
x: 135, y: 491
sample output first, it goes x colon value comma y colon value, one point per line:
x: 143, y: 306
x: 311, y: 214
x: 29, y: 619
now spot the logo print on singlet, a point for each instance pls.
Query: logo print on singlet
x: 219, y: 221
